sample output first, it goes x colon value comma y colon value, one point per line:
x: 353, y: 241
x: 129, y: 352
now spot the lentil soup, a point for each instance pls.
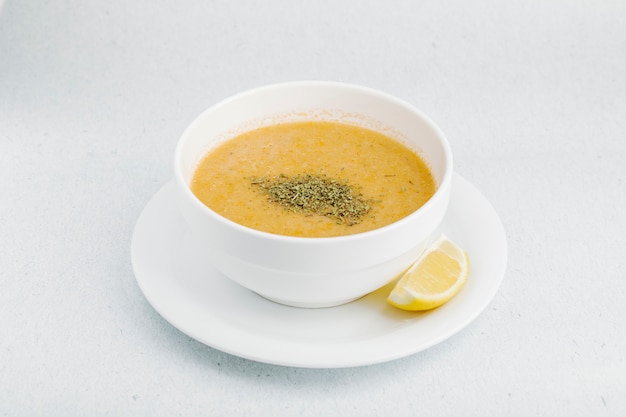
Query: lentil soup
x: 313, y: 179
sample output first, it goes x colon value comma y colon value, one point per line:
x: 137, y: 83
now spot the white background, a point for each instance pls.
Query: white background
x: 94, y: 95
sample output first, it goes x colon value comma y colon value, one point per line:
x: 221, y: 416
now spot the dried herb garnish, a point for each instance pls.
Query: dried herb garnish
x: 315, y: 194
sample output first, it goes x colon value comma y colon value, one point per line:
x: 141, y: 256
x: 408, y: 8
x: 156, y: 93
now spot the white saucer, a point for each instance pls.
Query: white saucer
x: 189, y: 293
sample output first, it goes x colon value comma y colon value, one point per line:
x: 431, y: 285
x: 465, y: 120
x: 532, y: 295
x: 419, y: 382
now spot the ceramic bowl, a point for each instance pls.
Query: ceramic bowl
x: 300, y: 271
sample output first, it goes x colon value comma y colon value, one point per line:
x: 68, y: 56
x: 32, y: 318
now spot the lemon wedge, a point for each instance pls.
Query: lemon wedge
x: 437, y: 276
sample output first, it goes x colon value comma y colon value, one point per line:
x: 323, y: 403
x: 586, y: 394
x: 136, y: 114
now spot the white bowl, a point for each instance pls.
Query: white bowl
x: 312, y: 272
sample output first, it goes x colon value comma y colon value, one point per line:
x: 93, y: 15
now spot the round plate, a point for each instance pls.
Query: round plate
x: 193, y: 296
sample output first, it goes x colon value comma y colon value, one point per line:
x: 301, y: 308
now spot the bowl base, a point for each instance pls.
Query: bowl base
x: 309, y: 304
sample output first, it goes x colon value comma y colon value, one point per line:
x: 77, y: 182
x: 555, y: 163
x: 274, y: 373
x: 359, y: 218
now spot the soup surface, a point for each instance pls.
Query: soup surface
x: 271, y: 179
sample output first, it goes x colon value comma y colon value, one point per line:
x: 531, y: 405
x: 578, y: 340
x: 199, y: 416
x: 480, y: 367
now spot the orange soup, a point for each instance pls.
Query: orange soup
x: 313, y: 179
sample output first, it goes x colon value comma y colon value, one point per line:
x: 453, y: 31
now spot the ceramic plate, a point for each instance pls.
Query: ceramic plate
x: 194, y: 297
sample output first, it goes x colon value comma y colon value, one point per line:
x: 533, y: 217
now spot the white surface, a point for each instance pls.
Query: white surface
x: 94, y: 95
x: 184, y: 287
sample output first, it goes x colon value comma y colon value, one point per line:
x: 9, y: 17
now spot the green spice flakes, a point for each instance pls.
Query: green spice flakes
x: 315, y: 194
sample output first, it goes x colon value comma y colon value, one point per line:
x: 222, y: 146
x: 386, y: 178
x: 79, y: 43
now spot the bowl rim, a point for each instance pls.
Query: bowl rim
x: 442, y: 187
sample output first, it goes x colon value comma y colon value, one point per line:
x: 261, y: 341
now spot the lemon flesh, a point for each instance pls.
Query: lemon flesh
x: 437, y: 276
